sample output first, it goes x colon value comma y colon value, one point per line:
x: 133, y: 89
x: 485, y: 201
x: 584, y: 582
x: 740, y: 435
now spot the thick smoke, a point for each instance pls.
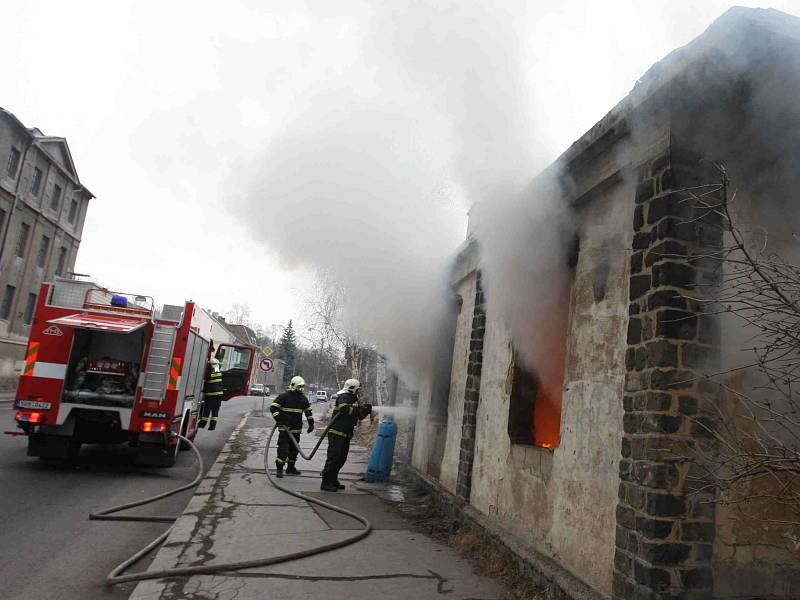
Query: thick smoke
x: 353, y: 189
x: 473, y: 58
x: 371, y: 183
x: 527, y: 241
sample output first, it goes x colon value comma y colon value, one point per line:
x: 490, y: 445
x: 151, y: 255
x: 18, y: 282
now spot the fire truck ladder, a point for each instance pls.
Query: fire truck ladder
x: 158, y: 362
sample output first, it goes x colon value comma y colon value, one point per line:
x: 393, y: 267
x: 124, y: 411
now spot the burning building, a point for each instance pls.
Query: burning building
x: 580, y: 456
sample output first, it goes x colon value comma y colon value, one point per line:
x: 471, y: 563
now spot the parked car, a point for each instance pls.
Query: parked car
x: 322, y: 396
x: 257, y: 389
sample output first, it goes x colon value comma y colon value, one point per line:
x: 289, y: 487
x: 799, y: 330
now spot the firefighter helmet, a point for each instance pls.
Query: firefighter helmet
x: 214, y: 363
x: 297, y: 384
x: 352, y: 386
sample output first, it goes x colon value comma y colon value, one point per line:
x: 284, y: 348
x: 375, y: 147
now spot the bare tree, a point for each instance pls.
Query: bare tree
x: 338, y: 352
x: 239, y: 314
x: 753, y: 459
x: 325, y: 332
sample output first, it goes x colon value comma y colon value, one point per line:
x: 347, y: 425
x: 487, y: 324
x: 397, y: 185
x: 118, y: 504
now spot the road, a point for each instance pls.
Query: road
x: 48, y: 547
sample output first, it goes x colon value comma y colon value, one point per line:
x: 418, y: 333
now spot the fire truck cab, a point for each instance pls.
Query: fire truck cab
x: 103, y: 367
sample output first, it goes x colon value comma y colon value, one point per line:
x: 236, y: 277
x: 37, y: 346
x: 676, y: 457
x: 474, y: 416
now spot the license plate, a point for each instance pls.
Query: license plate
x: 35, y: 404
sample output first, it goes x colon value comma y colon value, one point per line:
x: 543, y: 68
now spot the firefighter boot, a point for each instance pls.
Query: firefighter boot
x: 290, y: 470
x: 279, y: 470
x: 213, y: 425
x: 339, y: 485
x: 202, y: 423
x: 328, y: 487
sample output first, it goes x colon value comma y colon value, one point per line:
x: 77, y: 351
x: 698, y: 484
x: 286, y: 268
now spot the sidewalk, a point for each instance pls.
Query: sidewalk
x: 236, y: 514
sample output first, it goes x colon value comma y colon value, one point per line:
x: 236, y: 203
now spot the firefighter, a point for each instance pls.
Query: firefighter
x: 213, y: 392
x: 349, y: 411
x: 288, y: 410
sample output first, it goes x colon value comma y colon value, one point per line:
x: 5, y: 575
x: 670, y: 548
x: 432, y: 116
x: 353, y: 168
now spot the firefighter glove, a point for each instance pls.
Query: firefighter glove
x: 310, y: 428
x: 367, y: 409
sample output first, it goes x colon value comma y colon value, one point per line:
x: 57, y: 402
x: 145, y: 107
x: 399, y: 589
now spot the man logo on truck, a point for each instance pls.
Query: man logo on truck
x: 148, y: 414
x: 53, y: 330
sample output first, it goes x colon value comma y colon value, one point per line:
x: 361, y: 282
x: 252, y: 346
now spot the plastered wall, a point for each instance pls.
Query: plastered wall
x: 562, y: 502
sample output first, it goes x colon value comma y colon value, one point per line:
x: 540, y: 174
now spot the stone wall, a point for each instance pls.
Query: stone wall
x: 472, y: 394
x: 664, y: 533
x: 465, y: 288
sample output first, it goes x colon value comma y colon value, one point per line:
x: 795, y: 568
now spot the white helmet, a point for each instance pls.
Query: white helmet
x: 352, y: 386
x: 297, y: 383
x: 214, y: 364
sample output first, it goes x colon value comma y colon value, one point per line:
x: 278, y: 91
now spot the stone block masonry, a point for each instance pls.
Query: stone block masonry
x: 472, y: 395
x: 665, y: 533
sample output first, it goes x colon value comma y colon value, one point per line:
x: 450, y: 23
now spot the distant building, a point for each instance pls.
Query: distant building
x: 42, y: 210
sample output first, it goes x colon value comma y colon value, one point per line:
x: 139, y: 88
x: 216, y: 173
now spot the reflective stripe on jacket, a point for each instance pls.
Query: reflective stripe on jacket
x: 289, y: 408
x: 213, y: 386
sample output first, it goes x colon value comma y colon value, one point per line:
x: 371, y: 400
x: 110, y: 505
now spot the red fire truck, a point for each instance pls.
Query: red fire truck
x: 102, y: 367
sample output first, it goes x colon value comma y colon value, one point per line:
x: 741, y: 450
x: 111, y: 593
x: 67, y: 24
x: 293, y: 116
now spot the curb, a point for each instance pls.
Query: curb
x: 146, y: 589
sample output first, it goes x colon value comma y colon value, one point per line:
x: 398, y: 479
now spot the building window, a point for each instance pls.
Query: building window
x: 22, y: 240
x: 44, y: 246
x: 13, y: 162
x: 73, y: 211
x: 29, y: 308
x: 36, y: 182
x: 534, y: 413
x: 62, y: 261
x: 55, y: 199
x: 8, y: 298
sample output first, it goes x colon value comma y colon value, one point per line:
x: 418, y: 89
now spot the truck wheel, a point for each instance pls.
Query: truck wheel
x: 73, y: 450
x: 53, y: 447
x: 183, y: 446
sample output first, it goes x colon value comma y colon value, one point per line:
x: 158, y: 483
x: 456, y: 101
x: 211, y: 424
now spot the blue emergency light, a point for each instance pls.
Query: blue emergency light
x: 121, y: 301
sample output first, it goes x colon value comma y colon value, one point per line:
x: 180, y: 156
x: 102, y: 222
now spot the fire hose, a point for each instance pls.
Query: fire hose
x: 116, y: 575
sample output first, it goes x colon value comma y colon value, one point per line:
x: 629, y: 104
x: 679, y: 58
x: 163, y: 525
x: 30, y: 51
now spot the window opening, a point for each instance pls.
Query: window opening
x: 29, y: 308
x: 534, y: 414
x: 13, y: 162
x: 44, y: 246
x: 36, y: 182
x: 73, y: 211
x: 234, y: 364
x: 22, y: 240
x: 8, y: 298
x: 62, y: 261
x: 55, y: 199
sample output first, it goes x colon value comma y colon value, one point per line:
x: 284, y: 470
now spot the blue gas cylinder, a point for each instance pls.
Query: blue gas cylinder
x: 380, y: 461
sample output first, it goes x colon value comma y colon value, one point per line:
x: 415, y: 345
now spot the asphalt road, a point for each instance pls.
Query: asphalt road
x: 48, y: 547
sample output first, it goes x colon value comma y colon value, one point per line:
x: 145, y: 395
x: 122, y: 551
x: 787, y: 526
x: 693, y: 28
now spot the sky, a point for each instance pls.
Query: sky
x: 186, y: 119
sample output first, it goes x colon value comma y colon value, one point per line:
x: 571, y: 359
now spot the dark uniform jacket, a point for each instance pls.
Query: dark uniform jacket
x: 350, y: 413
x: 288, y: 410
x: 212, y: 388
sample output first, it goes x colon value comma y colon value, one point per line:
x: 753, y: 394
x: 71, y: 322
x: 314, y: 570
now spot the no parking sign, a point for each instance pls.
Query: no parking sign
x: 266, y: 364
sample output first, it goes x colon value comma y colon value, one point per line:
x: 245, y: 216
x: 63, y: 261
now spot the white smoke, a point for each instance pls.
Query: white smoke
x: 353, y: 188
x: 371, y: 183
